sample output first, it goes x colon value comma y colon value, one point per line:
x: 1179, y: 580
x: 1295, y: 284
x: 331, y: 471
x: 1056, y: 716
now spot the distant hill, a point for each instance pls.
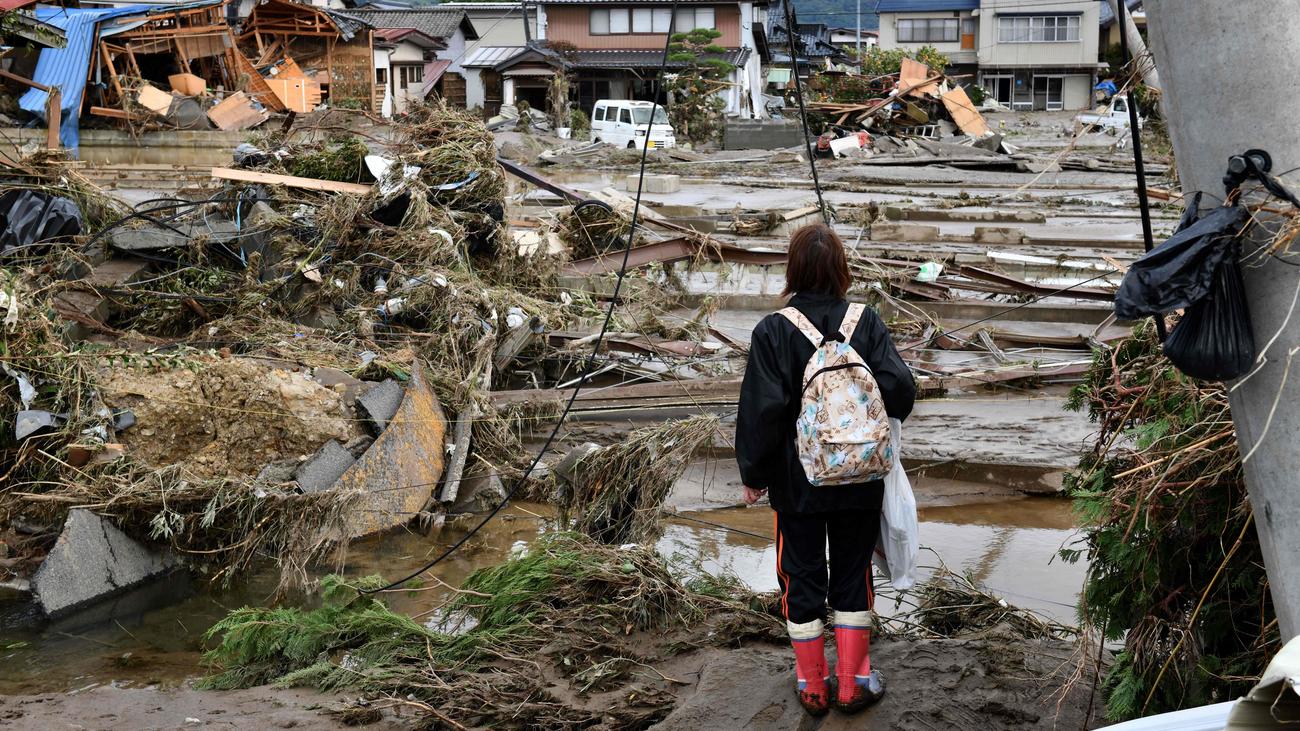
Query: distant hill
x: 837, y: 13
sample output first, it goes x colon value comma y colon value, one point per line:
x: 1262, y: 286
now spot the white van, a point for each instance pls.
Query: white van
x: 625, y: 124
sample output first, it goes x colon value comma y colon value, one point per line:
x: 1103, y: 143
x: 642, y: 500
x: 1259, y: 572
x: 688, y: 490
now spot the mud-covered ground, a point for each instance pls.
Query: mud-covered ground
x: 992, y: 682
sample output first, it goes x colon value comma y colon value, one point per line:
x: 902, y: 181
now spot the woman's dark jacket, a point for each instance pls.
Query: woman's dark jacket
x: 770, y: 395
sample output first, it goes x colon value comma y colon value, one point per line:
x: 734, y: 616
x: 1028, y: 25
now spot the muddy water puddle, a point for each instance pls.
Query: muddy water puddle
x: 1009, y: 545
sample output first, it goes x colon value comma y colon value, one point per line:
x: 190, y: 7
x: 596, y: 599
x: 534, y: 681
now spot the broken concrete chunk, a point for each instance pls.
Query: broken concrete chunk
x: 281, y: 470
x: 655, y: 183
x: 92, y: 560
x: 340, y: 382
x: 324, y: 468
x: 32, y: 421
x: 479, y: 494
x: 381, y: 401
x: 565, y: 470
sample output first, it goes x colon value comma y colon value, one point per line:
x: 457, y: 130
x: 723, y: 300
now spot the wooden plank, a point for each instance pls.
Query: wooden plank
x: 53, y: 117
x: 713, y: 392
x: 964, y: 113
x: 289, y: 181
x: 111, y: 112
x: 914, y: 74
x: 154, y: 99
x: 236, y: 112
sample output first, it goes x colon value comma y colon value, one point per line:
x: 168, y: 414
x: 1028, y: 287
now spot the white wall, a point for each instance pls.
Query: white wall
x: 475, y: 95
x: 1066, y: 53
x: 889, y: 31
x: 455, y: 51
x: 382, y: 56
x: 752, y: 74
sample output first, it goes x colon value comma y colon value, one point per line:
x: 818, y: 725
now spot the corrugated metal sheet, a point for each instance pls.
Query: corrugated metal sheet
x: 432, y: 72
x: 67, y: 67
x: 489, y: 56
x: 925, y: 6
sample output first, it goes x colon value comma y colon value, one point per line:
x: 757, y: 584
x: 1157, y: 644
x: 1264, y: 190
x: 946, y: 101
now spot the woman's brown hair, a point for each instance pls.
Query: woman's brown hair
x: 816, y: 262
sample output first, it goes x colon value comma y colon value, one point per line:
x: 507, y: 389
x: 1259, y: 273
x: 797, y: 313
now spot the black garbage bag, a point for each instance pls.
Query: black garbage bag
x: 31, y: 217
x: 1181, y: 271
x: 1214, y: 340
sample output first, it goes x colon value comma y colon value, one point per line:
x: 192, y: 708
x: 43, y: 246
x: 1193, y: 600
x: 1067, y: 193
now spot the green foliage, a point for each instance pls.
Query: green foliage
x: 564, y: 585
x: 696, y: 109
x: 1175, y: 569
x: 877, y: 61
x: 580, y: 122
x: 341, y: 159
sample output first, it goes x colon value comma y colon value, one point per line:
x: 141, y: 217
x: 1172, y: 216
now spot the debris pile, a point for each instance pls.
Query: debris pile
x: 263, y: 372
x: 915, y: 103
x: 1173, y: 556
x: 564, y: 636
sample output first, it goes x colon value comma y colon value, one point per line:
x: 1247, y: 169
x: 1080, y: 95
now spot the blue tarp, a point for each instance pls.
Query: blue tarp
x: 68, y: 67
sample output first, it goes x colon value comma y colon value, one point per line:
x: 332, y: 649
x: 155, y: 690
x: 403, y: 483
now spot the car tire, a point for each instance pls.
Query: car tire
x: 631, y: 145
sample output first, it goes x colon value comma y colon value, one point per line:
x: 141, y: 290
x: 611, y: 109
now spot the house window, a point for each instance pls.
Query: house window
x: 688, y: 19
x: 410, y: 75
x: 1038, y: 29
x: 616, y: 21
x: 928, y: 30
x: 381, y: 76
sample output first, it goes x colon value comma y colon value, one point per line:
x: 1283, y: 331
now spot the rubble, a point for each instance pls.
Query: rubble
x: 91, y: 561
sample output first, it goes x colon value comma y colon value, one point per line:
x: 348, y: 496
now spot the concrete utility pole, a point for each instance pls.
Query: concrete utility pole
x: 1203, y: 49
x: 858, y: 38
x: 1136, y: 45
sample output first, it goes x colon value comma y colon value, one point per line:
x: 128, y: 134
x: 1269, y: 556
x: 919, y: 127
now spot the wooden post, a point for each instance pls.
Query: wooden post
x: 112, y: 72
x: 53, y: 116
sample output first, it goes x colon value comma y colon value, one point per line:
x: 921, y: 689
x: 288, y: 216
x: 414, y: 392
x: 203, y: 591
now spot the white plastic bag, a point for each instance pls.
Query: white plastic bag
x: 899, y: 542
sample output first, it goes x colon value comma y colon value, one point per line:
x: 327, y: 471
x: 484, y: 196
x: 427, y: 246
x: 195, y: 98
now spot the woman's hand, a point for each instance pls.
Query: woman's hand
x: 753, y: 494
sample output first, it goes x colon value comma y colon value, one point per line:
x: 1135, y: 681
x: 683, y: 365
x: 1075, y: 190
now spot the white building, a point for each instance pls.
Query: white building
x: 1028, y: 54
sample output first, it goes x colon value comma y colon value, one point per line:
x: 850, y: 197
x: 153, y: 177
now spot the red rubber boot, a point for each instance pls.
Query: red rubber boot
x: 813, y: 686
x: 859, y: 685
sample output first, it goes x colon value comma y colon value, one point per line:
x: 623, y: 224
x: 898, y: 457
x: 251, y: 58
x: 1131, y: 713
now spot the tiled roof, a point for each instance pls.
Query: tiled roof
x: 420, y: 38
x: 644, y: 59
x: 430, y: 21
x: 925, y: 6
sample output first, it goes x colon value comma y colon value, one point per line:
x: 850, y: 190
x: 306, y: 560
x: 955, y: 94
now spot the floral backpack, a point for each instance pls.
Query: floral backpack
x: 842, y: 432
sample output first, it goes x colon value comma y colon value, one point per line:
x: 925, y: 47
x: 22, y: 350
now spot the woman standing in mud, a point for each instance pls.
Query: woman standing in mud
x: 845, y: 517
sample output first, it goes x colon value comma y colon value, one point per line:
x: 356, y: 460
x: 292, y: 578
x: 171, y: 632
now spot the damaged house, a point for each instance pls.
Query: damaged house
x: 614, y: 50
x: 424, y: 49
x: 1039, y: 56
x: 299, y: 55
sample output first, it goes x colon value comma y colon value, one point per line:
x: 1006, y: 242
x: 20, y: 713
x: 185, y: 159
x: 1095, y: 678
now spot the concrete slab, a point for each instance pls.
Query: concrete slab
x: 324, y: 468
x: 381, y: 401
x: 92, y: 560
x: 661, y: 183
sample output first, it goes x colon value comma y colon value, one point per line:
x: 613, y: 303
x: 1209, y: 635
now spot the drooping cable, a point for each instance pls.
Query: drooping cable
x: 803, y: 114
x: 595, y: 349
x: 1136, y: 134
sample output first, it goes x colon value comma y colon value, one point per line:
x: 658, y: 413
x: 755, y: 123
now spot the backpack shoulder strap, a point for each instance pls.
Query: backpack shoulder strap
x: 851, y: 319
x: 804, y: 326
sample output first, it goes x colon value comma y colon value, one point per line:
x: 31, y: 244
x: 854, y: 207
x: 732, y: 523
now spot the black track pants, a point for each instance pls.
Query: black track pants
x: 801, y: 565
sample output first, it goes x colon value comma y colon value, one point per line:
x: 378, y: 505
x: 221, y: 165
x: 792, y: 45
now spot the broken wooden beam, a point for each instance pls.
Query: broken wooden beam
x: 290, y: 181
x: 680, y: 248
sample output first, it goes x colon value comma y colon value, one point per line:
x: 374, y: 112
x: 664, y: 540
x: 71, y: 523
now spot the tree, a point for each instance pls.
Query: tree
x: 696, y: 109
